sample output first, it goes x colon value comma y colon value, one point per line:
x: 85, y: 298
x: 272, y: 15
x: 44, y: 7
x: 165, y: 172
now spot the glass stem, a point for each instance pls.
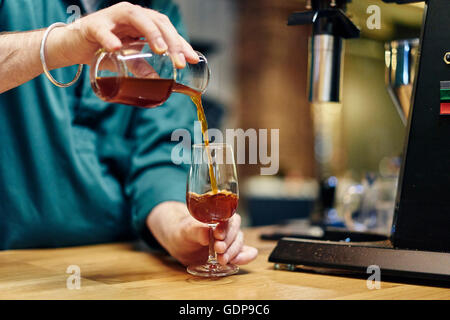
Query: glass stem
x: 212, y: 256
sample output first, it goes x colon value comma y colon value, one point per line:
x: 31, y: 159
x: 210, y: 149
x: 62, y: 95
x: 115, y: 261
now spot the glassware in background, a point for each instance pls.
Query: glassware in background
x: 208, y: 206
x: 401, y: 59
x: 369, y: 206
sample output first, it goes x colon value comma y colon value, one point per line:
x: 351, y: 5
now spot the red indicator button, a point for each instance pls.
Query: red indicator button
x: 445, y: 108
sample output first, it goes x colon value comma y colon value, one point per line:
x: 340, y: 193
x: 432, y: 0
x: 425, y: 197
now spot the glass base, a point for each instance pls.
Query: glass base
x: 212, y: 270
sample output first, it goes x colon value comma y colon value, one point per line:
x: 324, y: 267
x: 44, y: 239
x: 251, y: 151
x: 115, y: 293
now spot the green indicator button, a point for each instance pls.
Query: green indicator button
x: 445, y: 94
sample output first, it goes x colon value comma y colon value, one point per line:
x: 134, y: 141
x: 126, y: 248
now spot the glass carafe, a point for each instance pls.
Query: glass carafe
x: 135, y: 75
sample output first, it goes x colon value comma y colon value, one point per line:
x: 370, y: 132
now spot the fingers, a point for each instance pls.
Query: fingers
x: 106, y: 38
x: 233, y: 250
x: 159, y: 32
x: 107, y: 27
x: 189, y: 53
x: 230, y: 246
x: 246, y: 255
x: 195, y: 232
x: 142, y: 22
x: 142, y: 69
x: 173, y: 40
x: 226, y: 233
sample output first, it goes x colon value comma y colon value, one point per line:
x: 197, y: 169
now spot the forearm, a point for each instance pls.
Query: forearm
x: 19, y: 56
x: 74, y: 44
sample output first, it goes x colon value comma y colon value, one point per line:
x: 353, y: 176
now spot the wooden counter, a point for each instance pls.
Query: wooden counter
x: 123, y: 271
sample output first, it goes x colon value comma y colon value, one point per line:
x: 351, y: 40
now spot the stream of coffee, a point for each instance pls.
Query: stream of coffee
x: 196, y: 98
x: 137, y: 92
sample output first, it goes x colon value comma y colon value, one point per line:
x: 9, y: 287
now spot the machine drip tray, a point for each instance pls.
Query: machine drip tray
x: 355, y: 257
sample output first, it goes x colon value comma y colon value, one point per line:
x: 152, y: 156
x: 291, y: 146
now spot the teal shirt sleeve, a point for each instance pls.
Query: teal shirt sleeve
x: 153, y: 178
x: 75, y: 169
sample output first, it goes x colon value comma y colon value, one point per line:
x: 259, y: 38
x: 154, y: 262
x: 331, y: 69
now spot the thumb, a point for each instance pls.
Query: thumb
x: 142, y: 69
x: 196, y: 232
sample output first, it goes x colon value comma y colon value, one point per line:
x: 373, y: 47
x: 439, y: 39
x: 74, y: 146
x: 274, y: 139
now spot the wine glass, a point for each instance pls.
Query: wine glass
x: 214, y: 161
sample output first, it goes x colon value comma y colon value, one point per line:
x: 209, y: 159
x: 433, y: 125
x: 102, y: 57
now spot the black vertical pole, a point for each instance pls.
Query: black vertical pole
x: 422, y: 215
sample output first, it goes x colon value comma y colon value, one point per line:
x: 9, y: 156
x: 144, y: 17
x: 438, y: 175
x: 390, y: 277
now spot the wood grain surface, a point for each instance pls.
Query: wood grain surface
x: 129, y: 271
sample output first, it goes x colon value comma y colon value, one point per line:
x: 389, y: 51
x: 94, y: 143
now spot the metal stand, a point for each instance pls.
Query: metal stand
x: 357, y: 257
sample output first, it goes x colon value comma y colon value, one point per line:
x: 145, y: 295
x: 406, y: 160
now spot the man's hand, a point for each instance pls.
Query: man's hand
x: 111, y: 27
x: 187, y: 240
x: 77, y: 43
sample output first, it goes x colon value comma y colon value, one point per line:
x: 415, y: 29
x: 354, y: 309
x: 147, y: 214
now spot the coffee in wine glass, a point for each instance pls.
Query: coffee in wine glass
x: 212, y: 199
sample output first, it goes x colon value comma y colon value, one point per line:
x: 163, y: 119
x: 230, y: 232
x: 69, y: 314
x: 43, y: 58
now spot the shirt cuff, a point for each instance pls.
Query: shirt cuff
x: 157, y: 185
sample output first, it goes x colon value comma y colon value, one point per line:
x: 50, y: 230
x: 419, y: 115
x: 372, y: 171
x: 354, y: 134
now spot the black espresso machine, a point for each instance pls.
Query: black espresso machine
x: 419, y: 245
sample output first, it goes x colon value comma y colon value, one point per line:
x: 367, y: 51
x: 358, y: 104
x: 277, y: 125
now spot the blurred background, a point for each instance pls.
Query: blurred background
x: 259, y: 80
